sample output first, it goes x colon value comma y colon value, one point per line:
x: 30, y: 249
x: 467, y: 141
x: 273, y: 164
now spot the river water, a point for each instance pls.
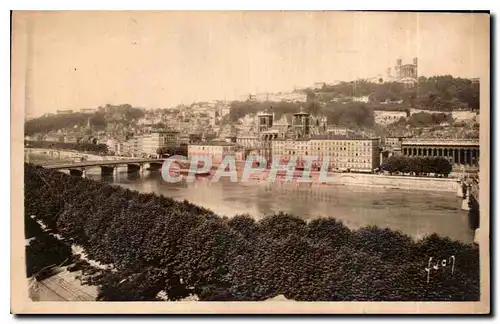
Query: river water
x: 414, y: 212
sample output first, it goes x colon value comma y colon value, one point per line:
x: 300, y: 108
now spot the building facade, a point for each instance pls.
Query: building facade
x: 248, y: 141
x: 215, y: 151
x: 150, y: 143
x: 344, y: 154
x: 458, y: 152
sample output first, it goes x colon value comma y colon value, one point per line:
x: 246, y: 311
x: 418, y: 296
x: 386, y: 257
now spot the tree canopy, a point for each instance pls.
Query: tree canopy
x: 418, y: 165
x: 157, y: 244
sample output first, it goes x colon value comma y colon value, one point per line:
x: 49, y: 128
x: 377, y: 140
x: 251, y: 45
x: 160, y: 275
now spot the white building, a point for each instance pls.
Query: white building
x: 339, y: 131
x: 112, y: 145
x: 248, y: 141
x: 418, y: 111
x: 364, y: 99
x: 280, y: 96
x: 150, y: 143
x: 288, y: 97
x: 463, y: 115
x: 216, y: 151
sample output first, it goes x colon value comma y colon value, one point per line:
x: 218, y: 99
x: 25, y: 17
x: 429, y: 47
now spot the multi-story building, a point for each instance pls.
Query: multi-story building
x: 348, y: 154
x: 460, y: 152
x: 150, y: 143
x: 333, y: 130
x: 344, y: 154
x: 132, y: 147
x: 390, y: 146
x: 247, y: 141
x: 393, y: 143
x: 216, y: 151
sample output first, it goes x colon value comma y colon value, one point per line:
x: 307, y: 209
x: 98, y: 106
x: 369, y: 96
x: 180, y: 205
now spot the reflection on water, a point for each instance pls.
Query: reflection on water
x: 416, y: 213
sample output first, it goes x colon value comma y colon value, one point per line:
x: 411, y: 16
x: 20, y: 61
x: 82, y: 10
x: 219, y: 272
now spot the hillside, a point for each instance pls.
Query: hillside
x: 436, y: 93
x: 120, y: 113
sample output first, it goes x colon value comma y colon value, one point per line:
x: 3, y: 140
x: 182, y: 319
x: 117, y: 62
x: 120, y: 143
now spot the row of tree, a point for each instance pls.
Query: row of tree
x: 81, y: 147
x: 173, y: 150
x: 352, y: 114
x: 157, y: 244
x: 418, y: 165
x: 423, y: 119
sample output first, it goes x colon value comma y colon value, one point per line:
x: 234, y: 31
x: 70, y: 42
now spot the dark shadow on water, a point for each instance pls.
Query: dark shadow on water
x: 109, y: 178
x: 133, y: 176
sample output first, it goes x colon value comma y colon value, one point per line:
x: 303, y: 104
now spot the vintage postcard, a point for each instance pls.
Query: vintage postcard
x: 250, y: 162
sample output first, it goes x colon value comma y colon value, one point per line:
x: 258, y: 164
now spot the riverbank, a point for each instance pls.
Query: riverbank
x: 399, y: 182
x: 342, y: 179
x: 353, y: 179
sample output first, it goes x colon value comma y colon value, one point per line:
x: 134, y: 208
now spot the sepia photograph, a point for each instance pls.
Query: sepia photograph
x: 290, y: 161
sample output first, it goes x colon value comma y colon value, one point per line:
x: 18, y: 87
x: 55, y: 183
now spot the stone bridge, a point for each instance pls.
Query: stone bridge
x: 107, y: 166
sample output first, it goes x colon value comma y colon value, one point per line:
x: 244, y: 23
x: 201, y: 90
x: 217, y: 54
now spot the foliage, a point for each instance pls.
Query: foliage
x: 352, y: 115
x: 443, y: 93
x: 417, y: 165
x: 158, y: 244
x: 50, y: 123
x: 124, y: 113
x: 45, y: 251
x: 425, y: 119
x: 173, y: 150
x: 81, y: 147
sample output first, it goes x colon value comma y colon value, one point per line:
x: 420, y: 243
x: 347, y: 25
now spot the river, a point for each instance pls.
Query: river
x: 414, y: 212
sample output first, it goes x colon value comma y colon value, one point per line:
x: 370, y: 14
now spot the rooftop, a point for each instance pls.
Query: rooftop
x: 342, y: 137
x: 213, y: 144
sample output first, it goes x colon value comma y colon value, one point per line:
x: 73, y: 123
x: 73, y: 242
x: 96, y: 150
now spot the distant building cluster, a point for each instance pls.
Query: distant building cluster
x: 71, y: 111
x: 384, y: 117
x: 207, y: 129
x: 276, y: 97
x: 145, y: 144
x: 216, y: 151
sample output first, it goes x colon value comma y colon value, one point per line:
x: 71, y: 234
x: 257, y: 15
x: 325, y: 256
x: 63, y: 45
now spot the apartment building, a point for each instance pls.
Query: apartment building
x: 344, y: 154
x: 216, y: 151
x: 150, y: 143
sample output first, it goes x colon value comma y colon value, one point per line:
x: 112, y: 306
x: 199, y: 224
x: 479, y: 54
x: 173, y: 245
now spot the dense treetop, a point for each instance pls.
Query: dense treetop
x: 435, y: 93
x: 158, y: 244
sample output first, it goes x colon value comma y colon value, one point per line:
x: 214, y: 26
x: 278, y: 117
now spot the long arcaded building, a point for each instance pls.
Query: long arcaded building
x: 459, y: 151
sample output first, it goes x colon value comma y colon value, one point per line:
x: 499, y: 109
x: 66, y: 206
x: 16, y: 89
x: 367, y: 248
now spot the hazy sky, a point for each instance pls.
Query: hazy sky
x: 160, y: 59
